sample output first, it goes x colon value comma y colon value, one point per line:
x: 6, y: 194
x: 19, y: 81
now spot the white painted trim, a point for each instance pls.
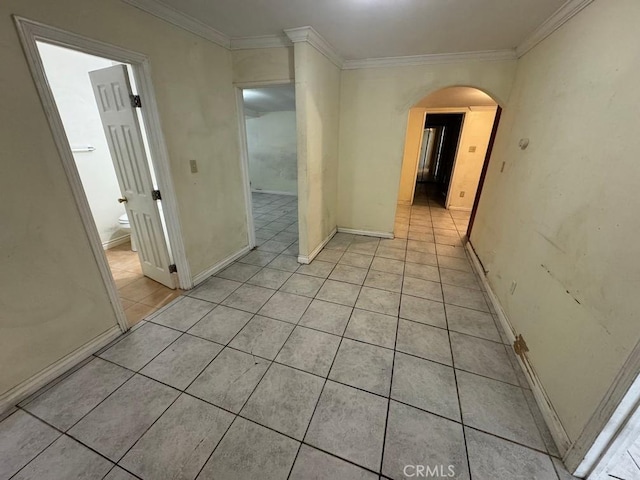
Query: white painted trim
x: 549, y: 414
x: 31, y: 31
x: 366, y: 233
x: 42, y: 378
x: 202, y: 276
x: 309, y: 35
x: 275, y: 192
x: 431, y: 59
x: 244, y: 167
x: 304, y: 259
x: 456, y: 161
x: 565, y: 13
x: 263, y: 41
x: 460, y: 209
x: 181, y: 20
x: 115, y: 242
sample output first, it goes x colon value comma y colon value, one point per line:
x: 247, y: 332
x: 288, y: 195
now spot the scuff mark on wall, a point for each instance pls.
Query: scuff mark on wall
x: 551, y: 242
x: 558, y: 280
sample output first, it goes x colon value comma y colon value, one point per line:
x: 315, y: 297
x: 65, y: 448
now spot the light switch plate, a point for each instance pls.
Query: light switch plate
x: 194, y: 166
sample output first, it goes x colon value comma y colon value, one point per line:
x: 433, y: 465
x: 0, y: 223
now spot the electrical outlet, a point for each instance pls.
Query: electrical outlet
x: 194, y: 166
x: 462, y: 194
x: 472, y: 149
x: 514, y: 284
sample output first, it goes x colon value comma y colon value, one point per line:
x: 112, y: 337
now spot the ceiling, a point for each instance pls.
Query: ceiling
x: 360, y: 29
x: 269, y: 99
x: 454, y: 97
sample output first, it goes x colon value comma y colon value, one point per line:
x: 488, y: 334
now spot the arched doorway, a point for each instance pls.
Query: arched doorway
x: 448, y: 142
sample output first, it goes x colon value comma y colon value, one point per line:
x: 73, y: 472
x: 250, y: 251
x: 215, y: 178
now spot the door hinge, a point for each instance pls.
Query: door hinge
x: 173, y: 268
x: 135, y: 101
x: 520, y: 347
x: 155, y: 194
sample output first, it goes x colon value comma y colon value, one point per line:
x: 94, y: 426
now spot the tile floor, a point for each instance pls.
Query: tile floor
x: 628, y: 466
x: 140, y: 296
x: 380, y: 357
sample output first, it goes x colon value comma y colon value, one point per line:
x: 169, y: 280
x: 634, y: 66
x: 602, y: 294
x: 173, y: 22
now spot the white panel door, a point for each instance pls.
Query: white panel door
x: 112, y: 90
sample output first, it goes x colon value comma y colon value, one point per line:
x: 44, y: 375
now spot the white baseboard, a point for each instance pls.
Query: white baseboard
x: 39, y: 380
x: 275, y: 192
x: 366, y: 233
x: 115, y: 242
x: 308, y: 259
x: 202, y: 276
x: 460, y: 209
x: 549, y: 414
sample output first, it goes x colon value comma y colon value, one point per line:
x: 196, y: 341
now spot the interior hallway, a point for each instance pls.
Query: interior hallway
x: 379, y: 354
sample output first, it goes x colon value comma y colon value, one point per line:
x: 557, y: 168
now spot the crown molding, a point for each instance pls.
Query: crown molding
x: 309, y: 35
x: 264, y: 41
x: 431, y: 59
x: 565, y: 13
x: 179, y: 19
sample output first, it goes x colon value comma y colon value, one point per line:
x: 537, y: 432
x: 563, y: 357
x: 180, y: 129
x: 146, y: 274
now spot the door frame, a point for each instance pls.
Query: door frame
x: 244, y: 149
x: 30, y: 32
x: 485, y: 167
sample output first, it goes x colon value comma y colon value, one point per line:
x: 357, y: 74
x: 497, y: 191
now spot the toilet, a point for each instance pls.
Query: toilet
x: 126, y: 226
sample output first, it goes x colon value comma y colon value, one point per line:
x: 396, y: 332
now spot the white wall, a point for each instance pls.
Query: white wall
x: 562, y: 219
x: 273, y: 162
x: 373, y: 123
x: 318, y: 116
x: 476, y: 132
x: 68, y: 76
x: 52, y: 296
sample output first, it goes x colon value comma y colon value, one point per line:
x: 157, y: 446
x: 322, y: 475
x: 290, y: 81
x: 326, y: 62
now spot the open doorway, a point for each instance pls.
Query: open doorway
x: 271, y: 141
x: 447, y: 145
x: 96, y: 99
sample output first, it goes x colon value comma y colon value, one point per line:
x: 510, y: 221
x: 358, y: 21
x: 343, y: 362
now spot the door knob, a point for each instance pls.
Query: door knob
x: 122, y: 200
